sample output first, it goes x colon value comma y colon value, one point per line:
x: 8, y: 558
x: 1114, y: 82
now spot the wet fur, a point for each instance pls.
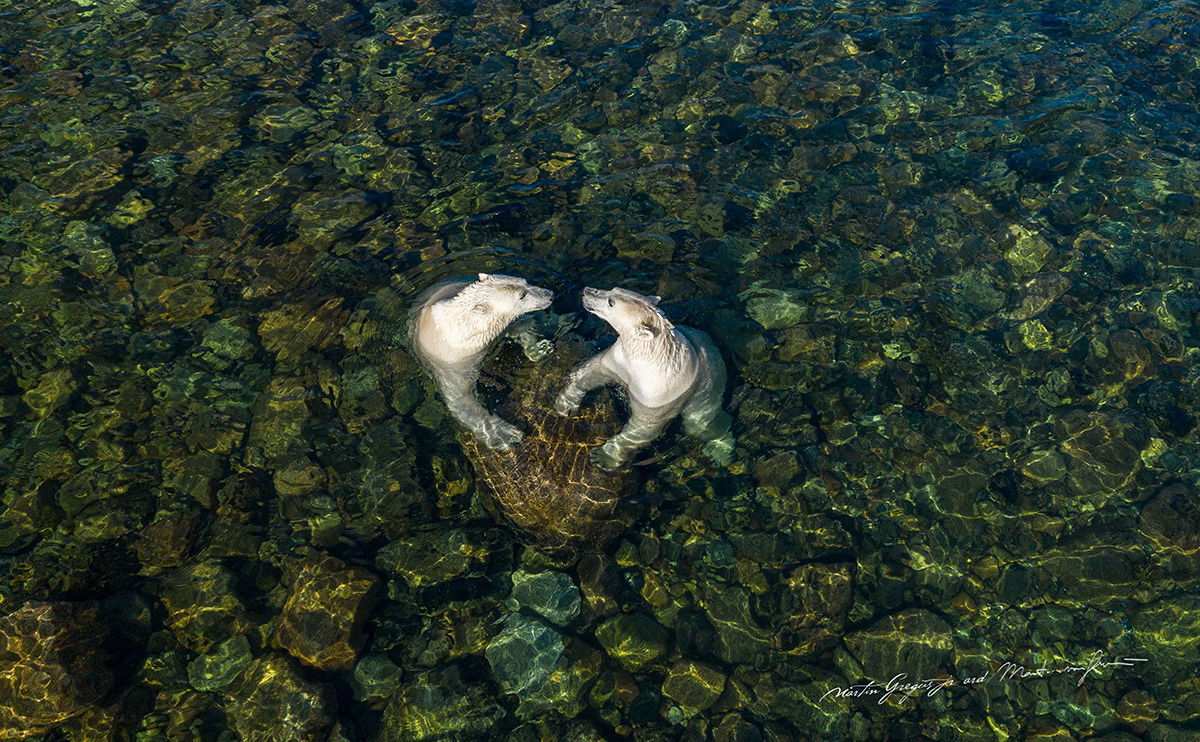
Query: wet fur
x: 666, y: 370
x: 451, y: 329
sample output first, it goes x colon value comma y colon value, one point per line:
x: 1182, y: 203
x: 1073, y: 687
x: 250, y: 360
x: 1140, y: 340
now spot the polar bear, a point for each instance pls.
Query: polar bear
x: 451, y: 328
x: 667, y: 370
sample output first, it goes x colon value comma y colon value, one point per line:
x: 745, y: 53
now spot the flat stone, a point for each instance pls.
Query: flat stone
x: 524, y: 654
x: 272, y: 702
x: 551, y: 594
x: 693, y: 684
x: 322, y: 621
x: 635, y: 640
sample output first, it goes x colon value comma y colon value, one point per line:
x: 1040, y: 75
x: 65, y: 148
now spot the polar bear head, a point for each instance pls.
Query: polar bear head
x: 632, y: 315
x: 500, y: 297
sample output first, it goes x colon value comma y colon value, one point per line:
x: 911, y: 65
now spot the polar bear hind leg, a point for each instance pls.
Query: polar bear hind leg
x: 644, y: 425
x: 703, y: 418
x: 711, y: 425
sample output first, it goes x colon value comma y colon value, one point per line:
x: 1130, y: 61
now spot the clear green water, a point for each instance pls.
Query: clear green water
x: 948, y: 250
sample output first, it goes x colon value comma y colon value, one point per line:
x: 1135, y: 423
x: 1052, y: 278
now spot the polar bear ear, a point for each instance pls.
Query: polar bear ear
x: 654, y: 300
x: 481, y: 308
x: 484, y: 276
x: 648, y: 329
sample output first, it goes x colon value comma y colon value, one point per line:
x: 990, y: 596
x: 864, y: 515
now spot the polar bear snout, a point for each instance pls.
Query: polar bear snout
x: 593, y: 300
x: 538, y: 298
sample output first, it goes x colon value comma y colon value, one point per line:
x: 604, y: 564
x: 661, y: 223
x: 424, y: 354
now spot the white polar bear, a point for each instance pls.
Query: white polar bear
x: 451, y: 328
x: 667, y: 370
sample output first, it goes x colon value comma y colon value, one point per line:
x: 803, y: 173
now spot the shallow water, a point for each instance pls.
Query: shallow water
x: 948, y: 251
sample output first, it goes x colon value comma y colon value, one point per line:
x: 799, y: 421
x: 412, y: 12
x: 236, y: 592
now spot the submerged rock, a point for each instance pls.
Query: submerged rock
x: 322, y: 622
x: 739, y: 638
x: 600, y: 581
x: 563, y: 690
x: 433, y: 557
x: 693, y: 685
x: 375, y: 677
x: 913, y: 641
x: 546, y: 487
x: 293, y: 329
x: 218, y: 668
x: 551, y: 594
x: 635, y: 640
x: 272, y: 702
x: 202, y: 606
x: 441, y: 704
x: 52, y: 666
x: 524, y: 654
x: 1167, y: 632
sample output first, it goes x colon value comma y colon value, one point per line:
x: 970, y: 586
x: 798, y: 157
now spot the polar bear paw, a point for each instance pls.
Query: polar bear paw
x: 498, y: 434
x: 720, y: 450
x: 603, y: 457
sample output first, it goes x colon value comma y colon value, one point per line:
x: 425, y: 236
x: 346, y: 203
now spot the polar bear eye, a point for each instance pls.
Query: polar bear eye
x: 522, y: 296
x: 610, y: 303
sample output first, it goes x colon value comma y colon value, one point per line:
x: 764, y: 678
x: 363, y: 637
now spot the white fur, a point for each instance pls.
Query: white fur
x: 452, y: 327
x: 666, y: 370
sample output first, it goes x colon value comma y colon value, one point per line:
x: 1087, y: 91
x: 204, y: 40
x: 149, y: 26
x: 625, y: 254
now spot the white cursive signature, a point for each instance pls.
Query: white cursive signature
x: 1007, y: 671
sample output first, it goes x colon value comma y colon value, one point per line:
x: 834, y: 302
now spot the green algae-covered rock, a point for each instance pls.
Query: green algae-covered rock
x: 218, y: 668
x: 442, y: 704
x: 524, y: 654
x: 328, y: 605
x: 551, y: 594
x: 272, y: 702
x: 693, y: 685
x: 635, y: 640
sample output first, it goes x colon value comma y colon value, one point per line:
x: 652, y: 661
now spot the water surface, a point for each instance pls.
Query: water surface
x: 948, y: 250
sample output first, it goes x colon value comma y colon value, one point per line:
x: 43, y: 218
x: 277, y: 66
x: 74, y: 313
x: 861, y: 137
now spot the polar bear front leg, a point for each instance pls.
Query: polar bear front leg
x: 586, y: 377
x: 645, y: 424
x: 458, y: 391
